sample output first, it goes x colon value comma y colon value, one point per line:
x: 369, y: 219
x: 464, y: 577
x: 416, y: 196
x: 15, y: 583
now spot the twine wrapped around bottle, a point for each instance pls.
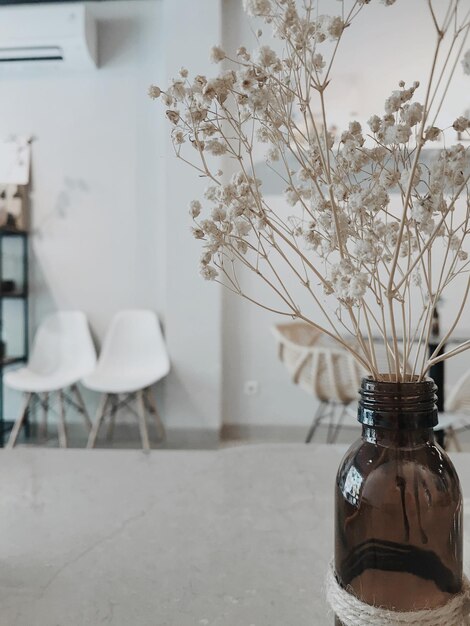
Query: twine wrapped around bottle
x: 353, y: 612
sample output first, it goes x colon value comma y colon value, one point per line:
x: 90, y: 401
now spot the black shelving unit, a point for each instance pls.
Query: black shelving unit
x: 20, y: 294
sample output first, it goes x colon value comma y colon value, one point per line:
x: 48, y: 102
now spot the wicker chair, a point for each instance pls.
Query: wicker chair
x: 321, y: 367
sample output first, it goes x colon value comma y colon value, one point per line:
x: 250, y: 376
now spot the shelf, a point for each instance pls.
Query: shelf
x: 5, y: 427
x: 11, y: 232
x: 17, y: 294
x: 13, y: 290
x: 12, y: 360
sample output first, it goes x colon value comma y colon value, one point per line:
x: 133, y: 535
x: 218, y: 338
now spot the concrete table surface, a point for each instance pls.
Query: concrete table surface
x: 235, y: 537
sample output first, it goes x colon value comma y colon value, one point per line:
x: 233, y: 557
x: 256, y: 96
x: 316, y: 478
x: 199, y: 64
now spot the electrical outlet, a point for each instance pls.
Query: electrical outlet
x: 251, y: 387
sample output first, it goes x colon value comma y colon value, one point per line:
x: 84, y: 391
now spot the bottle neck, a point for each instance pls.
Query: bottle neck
x: 399, y: 438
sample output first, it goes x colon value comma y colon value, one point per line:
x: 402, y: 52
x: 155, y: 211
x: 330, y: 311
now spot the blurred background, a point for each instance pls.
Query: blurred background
x: 107, y: 226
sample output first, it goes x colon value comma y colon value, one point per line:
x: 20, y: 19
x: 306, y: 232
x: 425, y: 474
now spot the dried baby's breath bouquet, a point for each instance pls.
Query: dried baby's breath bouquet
x: 366, y: 267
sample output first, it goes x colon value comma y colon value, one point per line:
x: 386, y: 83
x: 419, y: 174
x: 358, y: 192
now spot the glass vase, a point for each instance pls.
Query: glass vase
x: 398, y: 525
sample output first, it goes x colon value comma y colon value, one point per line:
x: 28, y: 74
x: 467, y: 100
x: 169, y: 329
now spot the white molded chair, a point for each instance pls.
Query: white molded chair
x: 133, y: 358
x: 62, y: 354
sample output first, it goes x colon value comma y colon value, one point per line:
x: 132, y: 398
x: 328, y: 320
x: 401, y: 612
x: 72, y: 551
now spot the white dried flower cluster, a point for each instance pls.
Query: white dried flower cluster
x: 339, y: 235
x: 348, y: 282
x: 257, y: 8
x: 354, y: 213
x: 154, y: 92
x: 461, y: 124
x: 217, y: 54
x: 231, y: 220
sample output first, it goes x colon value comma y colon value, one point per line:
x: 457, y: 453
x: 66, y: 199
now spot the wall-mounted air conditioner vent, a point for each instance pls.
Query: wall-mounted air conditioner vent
x: 47, y: 36
x: 43, y: 53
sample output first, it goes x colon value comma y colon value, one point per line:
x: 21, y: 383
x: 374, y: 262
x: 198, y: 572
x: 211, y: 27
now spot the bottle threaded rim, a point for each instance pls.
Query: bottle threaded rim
x: 408, y: 405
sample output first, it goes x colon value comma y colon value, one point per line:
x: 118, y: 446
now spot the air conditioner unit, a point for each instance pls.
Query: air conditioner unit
x: 48, y: 35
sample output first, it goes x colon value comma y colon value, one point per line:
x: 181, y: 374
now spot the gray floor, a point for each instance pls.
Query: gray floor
x: 126, y: 436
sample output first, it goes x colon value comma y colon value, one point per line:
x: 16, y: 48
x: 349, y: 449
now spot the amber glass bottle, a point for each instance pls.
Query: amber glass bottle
x: 398, y: 503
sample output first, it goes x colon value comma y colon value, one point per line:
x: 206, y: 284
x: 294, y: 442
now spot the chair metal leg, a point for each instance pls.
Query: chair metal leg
x: 82, y: 406
x: 19, y: 422
x: 28, y: 419
x: 451, y: 434
x: 98, y: 419
x: 45, y: 410
x: 114, y: 399
x: 316, y: 421
x: 152, y: 405
x: 339, y: 424
x: 142, y: 421
x: 331, y: 423
x: 61, y: 427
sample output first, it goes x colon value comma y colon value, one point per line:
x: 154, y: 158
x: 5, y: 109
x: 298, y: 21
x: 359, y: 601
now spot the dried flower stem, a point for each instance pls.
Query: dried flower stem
x: 362, y: 264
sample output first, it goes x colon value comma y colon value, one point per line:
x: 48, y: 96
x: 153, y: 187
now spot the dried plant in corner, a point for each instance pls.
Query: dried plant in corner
x: 367, y: 268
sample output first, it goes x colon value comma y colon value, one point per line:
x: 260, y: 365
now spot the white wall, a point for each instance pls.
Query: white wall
x: 368, y: 67
x: 95, y: 202
x: 98, y: 243
x: 109, y: 198
x: 193, y: 391
x: 111, y: 227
